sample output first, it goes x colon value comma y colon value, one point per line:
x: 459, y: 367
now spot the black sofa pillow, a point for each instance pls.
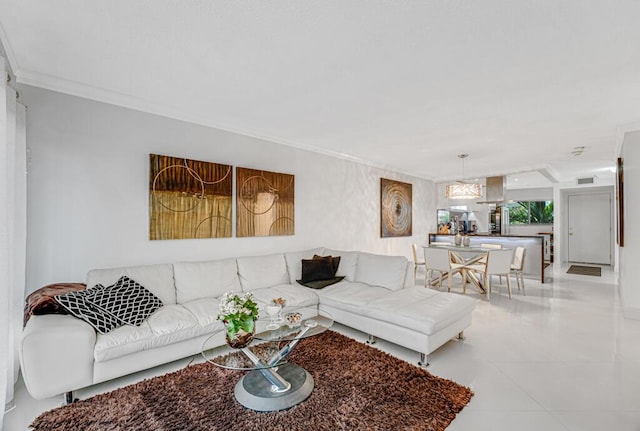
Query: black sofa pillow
x: 317, y: 269
x: 335, y: 261
x: 126, y: 302
x: 319, y: 284
x: 320, y: 271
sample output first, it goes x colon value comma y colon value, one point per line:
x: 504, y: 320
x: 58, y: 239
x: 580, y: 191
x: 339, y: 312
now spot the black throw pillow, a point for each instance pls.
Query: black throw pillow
x: 316, y: 269
x: 105, y: 308
x: 335, y: 261
x: 76, y: 304
x: 319, y: 284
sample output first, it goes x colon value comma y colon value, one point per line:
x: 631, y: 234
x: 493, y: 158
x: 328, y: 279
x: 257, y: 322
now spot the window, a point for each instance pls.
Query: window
x: 530, y: 212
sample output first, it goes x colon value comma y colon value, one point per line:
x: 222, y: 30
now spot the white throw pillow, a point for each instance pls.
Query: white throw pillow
x: 195, y: 280
x: 257, y: 272
x: 379, y: 270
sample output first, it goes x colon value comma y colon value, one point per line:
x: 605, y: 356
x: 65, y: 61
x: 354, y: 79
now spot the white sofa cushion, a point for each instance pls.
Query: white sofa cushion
x: 294, y: 262
x: 352, y: 297
x: 195, y: 280
x: 171, y: 324
x: 204, y: 310
x: 384, y: 271
x: 348, y: 263
x: 295, y: 295
x: 257, y: 272
x: 158, y: 279
x: 420, y: 309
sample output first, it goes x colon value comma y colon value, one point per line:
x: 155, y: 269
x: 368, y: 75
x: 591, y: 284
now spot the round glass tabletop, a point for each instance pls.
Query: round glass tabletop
x: 270, y: 347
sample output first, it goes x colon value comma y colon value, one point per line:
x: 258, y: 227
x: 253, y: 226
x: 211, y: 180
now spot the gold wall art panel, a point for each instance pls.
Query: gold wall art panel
x: 189, y: 198
x: 264, y: 203
x: 395, y: 208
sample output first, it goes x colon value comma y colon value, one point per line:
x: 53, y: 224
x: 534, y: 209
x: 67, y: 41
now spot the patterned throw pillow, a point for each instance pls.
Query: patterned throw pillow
x: 106, y: 308
x: 76, y: 305
x: 126, y: 300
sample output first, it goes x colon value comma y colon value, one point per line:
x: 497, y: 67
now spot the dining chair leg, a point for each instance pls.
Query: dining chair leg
x: 488, y: 286
x: 522, y: 281
x: 440, y: 281
x: 449, y: 277
x: 509, y: 286
x: 464, y: 282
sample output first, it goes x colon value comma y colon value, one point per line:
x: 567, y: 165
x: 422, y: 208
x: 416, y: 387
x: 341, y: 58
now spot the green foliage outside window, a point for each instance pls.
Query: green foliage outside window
x: 531, y: 212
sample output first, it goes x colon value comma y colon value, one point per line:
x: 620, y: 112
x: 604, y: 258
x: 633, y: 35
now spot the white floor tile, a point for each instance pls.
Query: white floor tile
x: 469, y: 420
x: 599, y: 420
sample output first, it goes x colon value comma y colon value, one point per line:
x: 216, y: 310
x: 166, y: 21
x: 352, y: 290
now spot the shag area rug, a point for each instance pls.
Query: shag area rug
x: 357, y: 387
x: 595, y: 271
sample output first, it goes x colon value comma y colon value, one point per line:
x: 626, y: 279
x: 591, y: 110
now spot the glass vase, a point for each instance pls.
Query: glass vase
x: 239, y: 333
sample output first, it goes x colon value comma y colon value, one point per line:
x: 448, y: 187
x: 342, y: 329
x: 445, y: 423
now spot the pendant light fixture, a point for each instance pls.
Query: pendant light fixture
x: 462, y: 190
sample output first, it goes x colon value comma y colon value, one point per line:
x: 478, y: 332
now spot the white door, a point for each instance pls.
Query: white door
x: 590, y: 228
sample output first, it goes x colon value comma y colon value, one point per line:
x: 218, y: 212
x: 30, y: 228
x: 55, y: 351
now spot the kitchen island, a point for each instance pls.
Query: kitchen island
x: 534, y: 264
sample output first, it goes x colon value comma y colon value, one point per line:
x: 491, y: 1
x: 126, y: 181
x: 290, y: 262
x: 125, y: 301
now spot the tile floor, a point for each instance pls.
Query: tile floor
x: 560, y: 358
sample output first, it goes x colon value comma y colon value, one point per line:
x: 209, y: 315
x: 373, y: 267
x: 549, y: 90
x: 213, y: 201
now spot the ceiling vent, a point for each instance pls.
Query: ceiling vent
x: 586, y: 180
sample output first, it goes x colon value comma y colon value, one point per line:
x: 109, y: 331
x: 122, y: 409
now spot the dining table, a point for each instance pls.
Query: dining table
x: 465, y: 256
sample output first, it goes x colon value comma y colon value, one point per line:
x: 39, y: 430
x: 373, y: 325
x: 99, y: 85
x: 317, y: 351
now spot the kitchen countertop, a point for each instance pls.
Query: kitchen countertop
x: 496, y: 235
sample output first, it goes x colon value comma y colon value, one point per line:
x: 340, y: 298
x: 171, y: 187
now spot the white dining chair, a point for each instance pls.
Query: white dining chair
x: 416, y: 262
x: 498, y: 263
x: 483, y: 260
x: 437, y: 259
x: 517, y: 267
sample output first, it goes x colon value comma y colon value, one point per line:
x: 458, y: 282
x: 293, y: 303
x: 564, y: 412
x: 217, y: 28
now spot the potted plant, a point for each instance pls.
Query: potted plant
x: 238, y: 312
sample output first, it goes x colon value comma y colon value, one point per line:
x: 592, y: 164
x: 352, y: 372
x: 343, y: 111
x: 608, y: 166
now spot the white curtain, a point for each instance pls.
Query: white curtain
x: 13, y: 217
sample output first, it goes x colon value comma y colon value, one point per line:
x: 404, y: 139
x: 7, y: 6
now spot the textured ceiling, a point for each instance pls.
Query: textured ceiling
x: 406, y: 85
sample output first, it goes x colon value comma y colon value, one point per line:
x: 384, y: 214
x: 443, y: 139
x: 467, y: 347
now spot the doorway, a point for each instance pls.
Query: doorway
x: 590, y: 227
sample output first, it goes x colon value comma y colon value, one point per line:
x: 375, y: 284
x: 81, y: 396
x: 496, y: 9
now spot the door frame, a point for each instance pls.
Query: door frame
x: 564, y: 196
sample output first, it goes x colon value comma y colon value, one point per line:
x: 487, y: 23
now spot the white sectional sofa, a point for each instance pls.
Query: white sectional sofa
x: 60, y: 353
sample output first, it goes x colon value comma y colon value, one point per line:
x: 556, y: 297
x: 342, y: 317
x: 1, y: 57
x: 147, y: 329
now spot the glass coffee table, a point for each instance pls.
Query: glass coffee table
x: 272, y: 383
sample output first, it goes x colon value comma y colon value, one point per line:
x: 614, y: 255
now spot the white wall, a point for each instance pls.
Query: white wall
x: 629, y: 255
x: 537, y: 194
x: 88, y: 174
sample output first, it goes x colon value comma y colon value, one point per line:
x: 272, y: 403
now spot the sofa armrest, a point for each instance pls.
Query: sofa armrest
x: 56, y: 355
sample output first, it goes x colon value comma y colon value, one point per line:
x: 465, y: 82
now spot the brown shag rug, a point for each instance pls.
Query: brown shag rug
x: 357, y: 388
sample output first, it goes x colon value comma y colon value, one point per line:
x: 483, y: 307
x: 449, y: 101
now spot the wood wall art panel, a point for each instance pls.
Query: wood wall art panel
x: 395, y: 208
x: 189, y: 198
x: 264, y: 203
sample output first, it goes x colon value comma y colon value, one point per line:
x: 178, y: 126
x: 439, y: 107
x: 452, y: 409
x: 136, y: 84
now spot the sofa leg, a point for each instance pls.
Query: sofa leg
x: 424, y: 360
x: 68, y: 398
x: 461, y: 335
x: 371, y: 339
